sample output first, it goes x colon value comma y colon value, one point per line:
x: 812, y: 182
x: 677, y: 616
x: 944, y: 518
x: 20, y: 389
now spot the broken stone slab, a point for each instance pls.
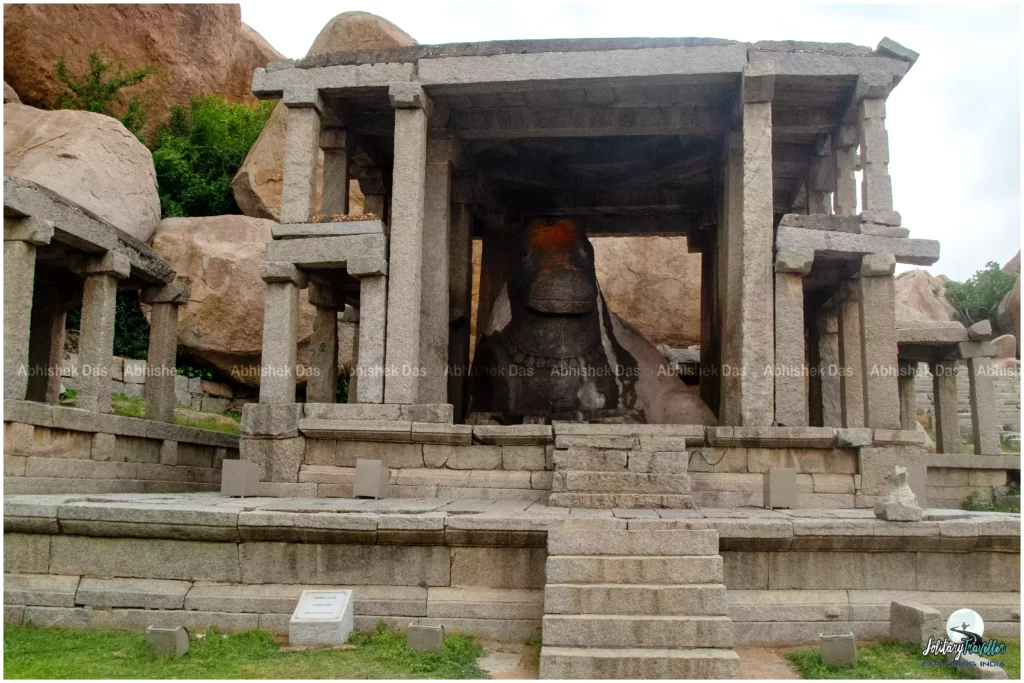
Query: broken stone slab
x: 898, y: 503
x: 980, y: 331
x: 931, y: 333
x: 828, y: 223
x: 140, y: 593
x: 513, y: 435
x: 852, y: 246
x: 915, y: 624
x: 333, y: 229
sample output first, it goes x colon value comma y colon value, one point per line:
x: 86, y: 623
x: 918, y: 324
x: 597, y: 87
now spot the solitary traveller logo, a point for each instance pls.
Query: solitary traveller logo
x: 964, y: 630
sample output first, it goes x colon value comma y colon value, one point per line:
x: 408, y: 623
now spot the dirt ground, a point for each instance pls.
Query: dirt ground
x: 764, y: 663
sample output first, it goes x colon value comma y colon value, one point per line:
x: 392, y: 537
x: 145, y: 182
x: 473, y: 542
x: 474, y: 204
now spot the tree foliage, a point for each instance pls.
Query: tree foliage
x: 199, y: 151
x: 99, y: 89
x: 978, y: 297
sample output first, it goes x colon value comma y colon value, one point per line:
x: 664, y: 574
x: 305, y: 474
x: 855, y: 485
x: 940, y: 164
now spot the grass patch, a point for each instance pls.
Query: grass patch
x: 974, y: 502
x: 890, y: 660
x: 126, y: 405
x: 31, y: 652
x: 211, y: 423
x: 136, y: 407
x: 533, y: 645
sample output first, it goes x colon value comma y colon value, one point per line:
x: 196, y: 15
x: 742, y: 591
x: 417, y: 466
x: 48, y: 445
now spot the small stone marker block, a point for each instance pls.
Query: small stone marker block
x: 166, y: 641
x: 780, y: 487
x: 423, y: 637
x: 321, y: 618
x: 371, y: 479
x: 240, y: 478
x: 915, y: 624
x: 838, y: 650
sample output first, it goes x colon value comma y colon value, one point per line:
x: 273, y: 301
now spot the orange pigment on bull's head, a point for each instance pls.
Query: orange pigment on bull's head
x: 551, y: 243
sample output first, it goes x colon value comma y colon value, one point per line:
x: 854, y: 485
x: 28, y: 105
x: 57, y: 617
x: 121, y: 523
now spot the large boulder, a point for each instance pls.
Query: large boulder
x: 10, y: 95
x: 654, y: 283
x: 222, y: 323
x: 198, y: 49
x: 257, y: 185
x: 921, y: 297
x: 88, y: 158
x: 1008, y: 315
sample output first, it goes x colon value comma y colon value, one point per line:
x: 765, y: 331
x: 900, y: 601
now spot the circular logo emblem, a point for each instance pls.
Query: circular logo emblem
x: 965, y: 625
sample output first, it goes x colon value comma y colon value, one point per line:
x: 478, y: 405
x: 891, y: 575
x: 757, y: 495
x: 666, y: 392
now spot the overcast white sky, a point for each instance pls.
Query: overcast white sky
x: 954, y: 121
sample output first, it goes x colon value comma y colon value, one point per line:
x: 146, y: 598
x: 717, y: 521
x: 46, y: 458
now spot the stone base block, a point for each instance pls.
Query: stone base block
x: 620, y: 500
x: 638, y: 663
x: 682, y: 600
x: 608, y: 630
x: 625, y: 569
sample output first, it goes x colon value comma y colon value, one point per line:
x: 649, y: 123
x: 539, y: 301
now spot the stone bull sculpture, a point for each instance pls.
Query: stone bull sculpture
x: 553, y: 349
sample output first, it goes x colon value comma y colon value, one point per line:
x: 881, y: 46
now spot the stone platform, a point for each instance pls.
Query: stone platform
x: 477, y: 566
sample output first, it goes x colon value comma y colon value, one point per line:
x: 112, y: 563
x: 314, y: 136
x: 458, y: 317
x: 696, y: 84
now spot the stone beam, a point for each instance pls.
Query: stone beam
x: 81, y: 229
x: 817, y: 64
x: 852, y: 246
x: 553, y: 69
x: 584, y: 121
x: 270, y: 83
x: 364, y: 254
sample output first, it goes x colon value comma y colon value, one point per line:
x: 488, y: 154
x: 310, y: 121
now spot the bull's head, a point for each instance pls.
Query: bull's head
x: 556, y: 274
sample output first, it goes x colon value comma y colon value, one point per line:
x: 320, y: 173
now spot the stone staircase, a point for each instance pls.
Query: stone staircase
x: 592, y: 477
x: 635, y: 604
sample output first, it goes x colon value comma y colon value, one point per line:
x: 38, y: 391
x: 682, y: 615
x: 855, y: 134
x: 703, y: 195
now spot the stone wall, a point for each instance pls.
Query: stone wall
x: 54, y: 449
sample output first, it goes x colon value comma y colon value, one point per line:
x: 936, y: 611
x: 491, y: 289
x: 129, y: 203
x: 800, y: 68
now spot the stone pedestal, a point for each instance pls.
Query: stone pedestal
x: 301, y: 149
x: 163, y: 348
x: 405, y: 265
x: 280, y: 331
x: 878, y: 341
x: 790, y: 369
x: 96, y: 340
x: 947, y: 421
x: 984, y: 425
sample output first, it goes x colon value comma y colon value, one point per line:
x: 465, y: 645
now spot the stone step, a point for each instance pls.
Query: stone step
x: 626, y: 482
x: 591, y: 460
x: 631, y: 569
x: 614, y: 631
x: 637, y: 663
x: 653, y: 542
x: 680, y: 599
x: 604, y: 501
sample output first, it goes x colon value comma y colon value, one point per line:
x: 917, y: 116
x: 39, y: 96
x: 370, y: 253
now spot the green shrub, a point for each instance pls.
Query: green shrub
x: 199, y: 151
x: 98, y: 90
x: 978, y: 297
x: 131, y: 331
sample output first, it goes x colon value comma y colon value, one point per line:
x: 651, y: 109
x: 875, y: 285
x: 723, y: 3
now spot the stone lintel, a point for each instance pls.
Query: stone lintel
x: 820, y: 221
x: 303, y: 96
x: 271, y: 83
x: 873, y: 85
x: 360, y: 254
x: 851, y: 246
x: 112, y: 263
x: 323, y: 296
x: 798, y: 262
x: 818, y: 64
x: 282, y: 271
x: 176, y: 292
x: 37, y: 231
x: 333, y: 229
x: 931, y: 333
x: 877, y: 265
x: 758, y: 82
x: 971, y: 349
x: 881, y: 217
x: 409, y: 96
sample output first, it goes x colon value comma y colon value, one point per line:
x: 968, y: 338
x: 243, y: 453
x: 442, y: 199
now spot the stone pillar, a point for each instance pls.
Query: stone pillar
x: 335, y: 143
x: 322, y: 385
x: 402, y: 356
x: 821, y: 179
x: 790, y: 379
x: 908, y: 395
x: 351, y: 315
x: 161, y: 363
x: 373, y: 308
x: 754, y: 266
x: 829, y: 370
x: 21, y: 237
x: 460, y: 303
x: 301, y: 150
x: 851, y: 380
x: 434, y: 288
x: 984, y: 426
x: 878, y: 341
x: 845, y: 154
x: 876, y: 186
x: 280, y: 331
x: 96, y: 340
x: 748, y: 346
x: 710, y: 353
x: 374, y: 189
x: 947, y: 419
x: 46, y: 346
